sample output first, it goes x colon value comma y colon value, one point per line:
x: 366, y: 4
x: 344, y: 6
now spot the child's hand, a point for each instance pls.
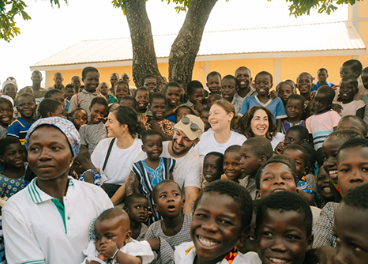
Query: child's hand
x: 337, y: 108
x: 108, y: 249
x: 143, y: 119
x: 273, y: 94
x: 155, y: 125
x: 199, y: 106
x: 3, y: 200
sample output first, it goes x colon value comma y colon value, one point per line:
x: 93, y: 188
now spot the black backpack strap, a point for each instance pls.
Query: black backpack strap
x: 108, y: 154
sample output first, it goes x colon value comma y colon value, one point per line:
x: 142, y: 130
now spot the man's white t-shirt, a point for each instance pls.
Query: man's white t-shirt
x: 188, y: 169
x: 120, y: 161
x: 208, y: 143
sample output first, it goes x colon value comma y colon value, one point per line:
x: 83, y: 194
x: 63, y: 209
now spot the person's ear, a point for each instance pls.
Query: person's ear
x: 142, y: 148
x: 258, y: 195
x: 356, y: 90
x: 310, y: 242
x: 49, y: 114
x: 263, y: 159
x: 78, y: 164
x: 356, y: 74
x: 149, y: 106
x: 231, y: 116
x: 2, y: 158
x: 196, y: 141
x: 128, y: 234
x: 305, y: 142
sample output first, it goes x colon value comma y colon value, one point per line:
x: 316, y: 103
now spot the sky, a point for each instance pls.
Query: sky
x: 53, y: 29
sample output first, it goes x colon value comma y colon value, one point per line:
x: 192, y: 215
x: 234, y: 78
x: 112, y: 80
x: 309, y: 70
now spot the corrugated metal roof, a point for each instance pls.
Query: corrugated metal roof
x: 298, y: 38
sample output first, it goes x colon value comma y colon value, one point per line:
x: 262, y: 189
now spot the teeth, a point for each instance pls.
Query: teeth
x: 333, y: 174
x: 207, y: 242
x: 278, y: 260
x: 327, y: 189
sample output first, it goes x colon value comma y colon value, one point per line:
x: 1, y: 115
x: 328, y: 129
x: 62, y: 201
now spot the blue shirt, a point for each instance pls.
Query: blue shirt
x: 317, y: 85
x: 275, y: 106
x: 19, y: 129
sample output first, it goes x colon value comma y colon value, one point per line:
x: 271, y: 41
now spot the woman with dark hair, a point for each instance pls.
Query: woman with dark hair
x: 115, y: 155
x: 258, y: 122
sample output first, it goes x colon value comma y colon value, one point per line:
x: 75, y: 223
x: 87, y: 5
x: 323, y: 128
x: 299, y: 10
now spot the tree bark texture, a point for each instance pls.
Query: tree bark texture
x: 144, y: 55
x: 186, y: 45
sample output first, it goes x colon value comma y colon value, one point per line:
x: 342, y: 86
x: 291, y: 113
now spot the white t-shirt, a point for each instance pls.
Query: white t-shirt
x: 208, y: 143
x: 134, y: 248
x: 185, y: 253
x: 277, y: 139
x: 120, y: 161
x: 38, y: 229
x: 188, y: 169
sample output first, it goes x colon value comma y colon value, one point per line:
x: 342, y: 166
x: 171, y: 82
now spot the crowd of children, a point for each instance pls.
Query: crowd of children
x: 235, y: 173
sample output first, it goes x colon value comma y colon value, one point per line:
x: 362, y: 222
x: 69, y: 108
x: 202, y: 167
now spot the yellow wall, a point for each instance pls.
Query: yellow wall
x: 290, y: 68
x: 363, y: 29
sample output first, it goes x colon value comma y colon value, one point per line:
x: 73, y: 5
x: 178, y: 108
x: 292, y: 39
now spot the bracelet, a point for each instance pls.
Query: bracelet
x: 116, y: 252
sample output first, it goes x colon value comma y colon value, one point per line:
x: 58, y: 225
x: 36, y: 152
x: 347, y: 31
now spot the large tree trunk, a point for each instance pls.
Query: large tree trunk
x: 144, y: 55
x: 186, y: 45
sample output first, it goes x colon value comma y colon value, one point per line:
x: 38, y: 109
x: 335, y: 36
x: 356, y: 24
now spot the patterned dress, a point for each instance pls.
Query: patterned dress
x: 149, y: 178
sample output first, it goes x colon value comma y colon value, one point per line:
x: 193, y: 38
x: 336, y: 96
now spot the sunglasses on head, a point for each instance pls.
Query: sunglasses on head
x: 186, y: 121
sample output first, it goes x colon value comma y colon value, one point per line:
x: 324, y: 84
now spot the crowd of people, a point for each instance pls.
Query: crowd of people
x: 235, y: 173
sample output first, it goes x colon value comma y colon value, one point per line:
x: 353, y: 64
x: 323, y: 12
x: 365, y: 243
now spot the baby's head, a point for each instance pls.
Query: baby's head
x: 350, y: 227
x: 277, y: 174
x: 168, y: 199
x: 301, y: 158
x: 232, y: 167
x: 254, y: 152
x: 112, y: 225
x: 136, y: 205
x: 283, y: 228
x: 352, y: 122
x: 212, y: 166
x: 222, y: 211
